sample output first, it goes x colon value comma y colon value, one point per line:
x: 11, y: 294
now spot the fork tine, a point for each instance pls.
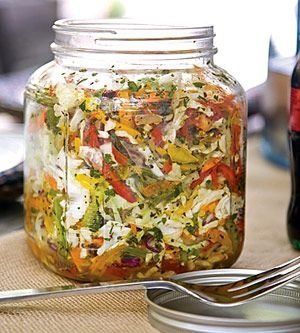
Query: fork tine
x: 254, y: 279
x: 274, y: 283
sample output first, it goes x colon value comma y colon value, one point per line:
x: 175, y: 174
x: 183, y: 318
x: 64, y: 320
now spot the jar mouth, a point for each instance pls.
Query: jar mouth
x: 131, y: 37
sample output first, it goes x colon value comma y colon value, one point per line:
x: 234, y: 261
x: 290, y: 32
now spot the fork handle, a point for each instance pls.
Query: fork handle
x: 11, y: 296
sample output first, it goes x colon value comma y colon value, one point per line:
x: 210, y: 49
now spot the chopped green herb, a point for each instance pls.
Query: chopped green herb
x: 108, y: 159
x: 83, y: 106
x: 157, y: 233
x: 109, y: 192
x: 192, y: 228
x: 95, y: 173
x: 202, y: 98
x: 183, y: 256
x: 52, y: 120
x: 199, y: 84
x: 82, y: 80
x: 133, y: 86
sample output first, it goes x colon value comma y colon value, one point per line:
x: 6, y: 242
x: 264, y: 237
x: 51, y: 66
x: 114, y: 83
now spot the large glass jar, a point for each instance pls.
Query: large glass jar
x: 135, y: 153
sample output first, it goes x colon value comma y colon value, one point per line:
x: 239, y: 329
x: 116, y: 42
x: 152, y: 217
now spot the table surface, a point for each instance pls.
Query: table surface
x: 268, y: 190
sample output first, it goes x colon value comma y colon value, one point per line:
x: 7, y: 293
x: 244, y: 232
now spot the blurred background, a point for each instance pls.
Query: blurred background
x: 257, y: 42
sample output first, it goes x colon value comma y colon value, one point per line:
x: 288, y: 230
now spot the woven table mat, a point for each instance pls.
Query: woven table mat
x: 266, y: 244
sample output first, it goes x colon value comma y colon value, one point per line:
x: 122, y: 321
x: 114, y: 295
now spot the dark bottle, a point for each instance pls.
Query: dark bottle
x: 293, y: 219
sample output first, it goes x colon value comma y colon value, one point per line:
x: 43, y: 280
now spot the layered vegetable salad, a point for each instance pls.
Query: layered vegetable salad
x: 135, y: 176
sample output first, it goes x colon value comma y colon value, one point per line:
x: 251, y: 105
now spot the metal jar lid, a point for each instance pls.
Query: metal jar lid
x: 172, y: 312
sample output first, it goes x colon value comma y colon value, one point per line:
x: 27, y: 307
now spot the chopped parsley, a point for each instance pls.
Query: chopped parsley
x: 132, y: 86
x: 199, y: 84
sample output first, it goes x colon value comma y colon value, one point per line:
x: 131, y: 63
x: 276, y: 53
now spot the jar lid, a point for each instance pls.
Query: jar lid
x: 173, y: 312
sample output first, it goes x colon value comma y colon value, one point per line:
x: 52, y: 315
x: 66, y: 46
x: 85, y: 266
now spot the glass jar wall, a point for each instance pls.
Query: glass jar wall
x: 135, y: 153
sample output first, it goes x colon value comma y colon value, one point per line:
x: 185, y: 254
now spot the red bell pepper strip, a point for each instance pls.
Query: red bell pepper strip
x: 228, y: 174
x: 167, y: 167
x: 118, y: 185
x: 202, y: 176
x: 156, y: 135
x: 115, y: 272
x: 90, y: 136
x: 119, y: 157
x: 221, y: 168
x: 235, y: 138
x: 214, y: 177
x: 189, y: 123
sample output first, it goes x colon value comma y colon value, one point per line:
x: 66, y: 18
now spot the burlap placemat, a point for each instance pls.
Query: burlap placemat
x: 266, y: 244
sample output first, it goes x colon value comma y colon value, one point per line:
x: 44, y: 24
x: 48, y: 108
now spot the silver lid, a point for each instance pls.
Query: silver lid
x: 172, y: 312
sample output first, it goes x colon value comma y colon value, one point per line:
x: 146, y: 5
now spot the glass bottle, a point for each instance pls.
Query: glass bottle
x: 293, y: 216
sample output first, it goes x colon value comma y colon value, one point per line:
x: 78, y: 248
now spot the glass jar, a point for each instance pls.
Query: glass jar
x: 135, y: 153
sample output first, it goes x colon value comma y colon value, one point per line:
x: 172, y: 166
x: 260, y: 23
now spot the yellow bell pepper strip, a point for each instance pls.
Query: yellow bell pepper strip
x: 100, y: 115
x: 124, y: 94
x: 87, y: 182
x: 77, y: 144
x: 181, y: 155
x: 185, y: 208
x: 120, y: 126
x: 189, y: 167
x: 126, y: 116
x: 131, y: 131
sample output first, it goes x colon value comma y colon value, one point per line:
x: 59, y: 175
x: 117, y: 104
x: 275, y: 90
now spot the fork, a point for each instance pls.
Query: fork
x: 229, y: 294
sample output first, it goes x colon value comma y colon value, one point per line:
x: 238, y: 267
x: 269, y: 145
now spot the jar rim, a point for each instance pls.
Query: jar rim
x: 114, y: 29
x: 128, y: 37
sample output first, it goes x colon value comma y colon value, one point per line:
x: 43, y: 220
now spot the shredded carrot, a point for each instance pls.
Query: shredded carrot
x: 98, y: 242
x: 99, y: 263
x: 208, y: 208
x: 210, y: 163
x: 36, y: 203
x: 80, y: 263
x: 51, y: 181
x: 133, y: 228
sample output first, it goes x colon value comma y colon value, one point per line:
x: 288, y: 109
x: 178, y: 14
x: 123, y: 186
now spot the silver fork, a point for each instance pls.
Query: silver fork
x: 230, y: 294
